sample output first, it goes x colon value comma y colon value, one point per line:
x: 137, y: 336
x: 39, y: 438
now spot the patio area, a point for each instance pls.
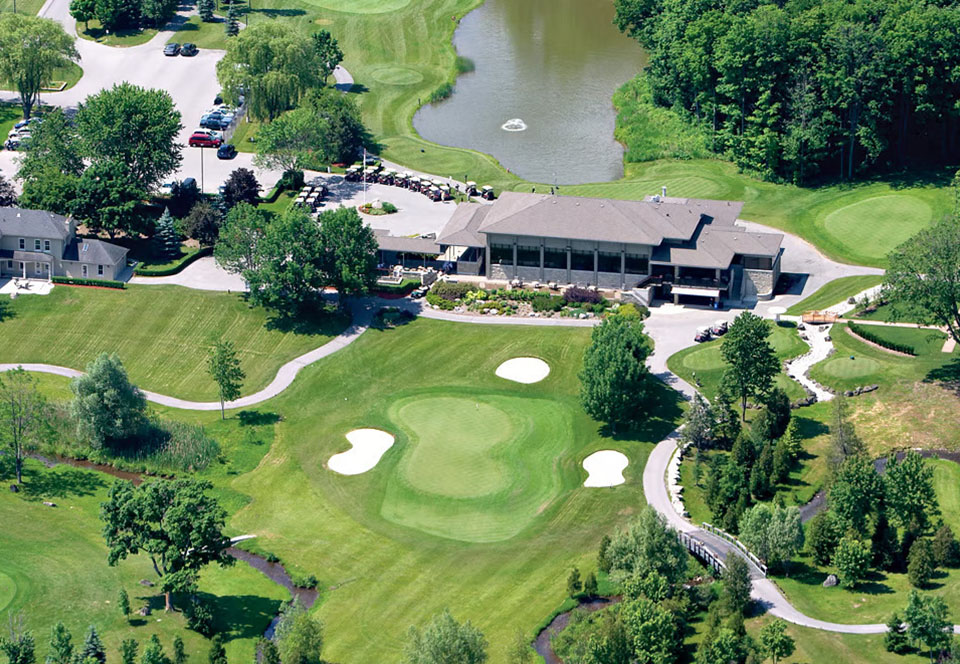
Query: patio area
x: 14, y: 287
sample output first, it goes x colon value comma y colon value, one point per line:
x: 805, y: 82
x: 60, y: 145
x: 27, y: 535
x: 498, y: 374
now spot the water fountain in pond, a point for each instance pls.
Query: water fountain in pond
x: 515, y: 124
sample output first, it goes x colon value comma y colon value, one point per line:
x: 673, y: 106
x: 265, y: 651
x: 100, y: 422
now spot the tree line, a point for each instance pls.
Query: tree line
x: 794, y: 90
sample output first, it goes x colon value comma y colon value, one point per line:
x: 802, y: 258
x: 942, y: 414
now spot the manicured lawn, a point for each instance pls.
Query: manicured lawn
x: 10, y: 114
x: 211, y: 35
x: 30, y: 7
x: 161, y: 333
x: 705, y: 360
x: 476, y: 458
x: 835, y: 292
x: 53, y: 566
x: 121, y: 38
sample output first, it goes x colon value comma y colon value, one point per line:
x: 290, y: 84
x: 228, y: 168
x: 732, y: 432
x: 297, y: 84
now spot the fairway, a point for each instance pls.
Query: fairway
x: 8, y: 589
x: 476, y: 468
x: 360, y: 6
x: 874, y: 226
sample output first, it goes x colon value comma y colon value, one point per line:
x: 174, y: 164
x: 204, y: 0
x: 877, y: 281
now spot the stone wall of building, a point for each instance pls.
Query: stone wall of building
x: 762, y: 282
x: 498, y: 272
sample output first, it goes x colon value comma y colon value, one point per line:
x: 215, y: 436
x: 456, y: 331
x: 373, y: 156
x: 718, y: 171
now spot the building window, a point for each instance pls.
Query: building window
x: 555, y: 259
x: 23, y: 243
x: 637, y: 264
x: 609, y: 262
x: 9, y: 265
x: 528, y: 256
x: 581, y: 260
x: 83, y: 271
x: 100, y: 270
x: 757, y: 263
x: 501, y: 254
x: 46, y: 245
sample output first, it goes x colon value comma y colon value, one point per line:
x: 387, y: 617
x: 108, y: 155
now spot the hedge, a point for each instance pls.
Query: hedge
x: 102, y: 283
x: 867, y: 335
x: 451, y: 290
x: 175, y: 268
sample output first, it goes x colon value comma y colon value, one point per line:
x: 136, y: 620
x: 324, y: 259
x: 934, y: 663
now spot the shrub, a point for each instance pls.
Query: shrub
x: 577, y: 294
x: 451, y: 291
x: 389, y: 208
x: 545, y: 302
x: 465, y: 65
x: 103, y: 283
x: 442, y: 92
x: 291, y: 180
x: 199, y: 617
x: 630, y: 310
x: 439, y: 302
x: 863, y: 333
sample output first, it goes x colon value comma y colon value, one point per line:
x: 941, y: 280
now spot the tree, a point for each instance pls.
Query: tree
x: 153, y: 653
x: 218, y: 654
x: 886, y: 553
x: 603, y: 557
x: 224, y: 366
x: 698, y: 423
x: 180, y: 653
x: 782, y: 461
x: 232, y: 24
x: 928, y: 622
x: 49, y: 190
x: 349, y: 260
x: 83, y: 11
x: 293, y: 141
x: 241, y: 187
x: 128, y: 651
x: 723, y: 647
x: 22, y: 415
x: 922, y: 281
x: 852, y: 560
x: 855, y: 494
x: 206, y: 8
x: 53, y: 147
x: 573, y: 582
x: 289, y: 270
x: 646, y: 545
x: 135, y: 127
x: 761, y: 475
x: 107, y: 199
x: 174, y: 522
x: 114, y: 14
x: 61, y: 645
x: 299, y: 636
x: 775, y: 641
x: 272, y: 64
x: 123, y: 602
x: 844, y: 441
x: 910, y: 497
x: 823, y: 535
x: 615, y: 380
x: 895, y: 638
x: 727, y: 425
x: 157, y: 12
x: 751, y: 361
x: 519, y: 650
x: 946, y: 550
x: 445, y: 641
x: 652, y: 629
x: 106, y: 405
x: 92, y: 648
x: 31, y: 48
x: 237, y: 248
x: 267, y: 651
x: 166, y: 242
x: 777, y: 404
x: 921, y: 563
x: 590, y: 585
x: 345, y: 133
x: 736, y: 584
x: 19, y: 647
x: 328, y: 53
x: 203, y: 223
x: 8, y: 197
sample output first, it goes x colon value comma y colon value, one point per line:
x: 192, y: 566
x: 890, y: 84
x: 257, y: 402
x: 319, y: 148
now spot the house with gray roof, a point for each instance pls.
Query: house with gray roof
x: 673, y: 248
x: 35, y: 244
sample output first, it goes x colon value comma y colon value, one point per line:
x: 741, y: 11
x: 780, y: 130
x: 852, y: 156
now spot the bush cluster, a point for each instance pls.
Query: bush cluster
x: 450, y: 290
x: 585, y: 295
x: 864, y: 333
x: 546, y: 302
x: 104, y: 283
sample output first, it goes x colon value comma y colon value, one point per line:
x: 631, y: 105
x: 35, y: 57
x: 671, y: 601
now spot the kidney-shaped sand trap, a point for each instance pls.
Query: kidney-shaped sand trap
x: 368, y: 446
x: 524, y: 370
x: 605, y: 468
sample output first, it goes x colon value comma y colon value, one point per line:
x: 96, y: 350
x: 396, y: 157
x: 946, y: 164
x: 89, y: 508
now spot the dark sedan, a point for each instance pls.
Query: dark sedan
x: 189, y: 50
x: 171, y: 49
x: 226, y: 151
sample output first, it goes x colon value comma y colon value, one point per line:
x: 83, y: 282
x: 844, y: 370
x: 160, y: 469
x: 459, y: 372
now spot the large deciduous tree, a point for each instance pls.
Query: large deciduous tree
x: 445, y: 641
x: 615, y: 381
x: 751, y: 361
x: 293, y: 141
x: 174, y: 522
x: 53, y: 146
x: 272, y: 64
x: 299, y: 636
x: 855, y: 495
x: 647, y: 545
x: 107, y: 407
x: 22, y: 415
x: 349, y: 259
x: 852, y: 559
x: 772, y: 533
x: 775, y: 642
x: 107, y: 199
x: 237, y: 248
x: 928, y: 622
x: 203, y: 223
x: 30, y: 49
x: 328, y: 53
x: 241, y: 187
x: 910, y: 497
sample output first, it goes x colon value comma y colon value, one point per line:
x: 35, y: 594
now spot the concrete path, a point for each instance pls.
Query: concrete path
x: 202, y: 274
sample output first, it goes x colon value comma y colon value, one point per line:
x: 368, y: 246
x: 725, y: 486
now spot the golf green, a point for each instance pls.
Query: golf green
x: 8, y: 588
x: 874, y: 226
x: 844, y: 367
x: 705, y: 358
x: 395, y: 75
x: 360, y: 6
x: 475, y: 467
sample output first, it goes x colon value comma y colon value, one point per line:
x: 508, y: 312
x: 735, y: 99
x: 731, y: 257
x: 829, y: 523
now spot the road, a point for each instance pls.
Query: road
x: 191, y: 82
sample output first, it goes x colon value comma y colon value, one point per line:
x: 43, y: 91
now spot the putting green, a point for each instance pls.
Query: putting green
x: 874, y: 226
x: 844, y: 367
x: 7, y: 590
x: 705, y: 359
x: 475, y: 467
x: 395, y: 75
x: 360, y: 6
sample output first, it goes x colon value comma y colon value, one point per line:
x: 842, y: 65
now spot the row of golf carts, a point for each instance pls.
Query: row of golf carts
x: 435, y: 190
x: 707, y: 333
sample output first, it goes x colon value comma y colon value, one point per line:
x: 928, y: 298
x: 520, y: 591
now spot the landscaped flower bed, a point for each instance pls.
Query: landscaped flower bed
x: 573, y: 302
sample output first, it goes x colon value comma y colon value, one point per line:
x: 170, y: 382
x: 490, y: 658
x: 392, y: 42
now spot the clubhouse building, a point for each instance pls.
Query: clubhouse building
x: 678, y: 249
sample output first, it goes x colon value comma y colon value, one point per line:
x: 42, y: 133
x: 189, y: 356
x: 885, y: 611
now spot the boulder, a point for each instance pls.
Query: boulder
x: 144, y: 611
x: 830, y: 581
x: 146, y: 582
x: 49, y: 504
x: 14, y: 488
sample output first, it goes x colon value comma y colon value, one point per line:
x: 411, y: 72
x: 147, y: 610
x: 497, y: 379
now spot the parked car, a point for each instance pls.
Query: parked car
x: 12, y: 144
x: 226, y: 151
x: 205, y: 139
x: 188, y: 183
x: 189, y: 49
x: 166, y: 189
x: 419, y: 292
x: 703, y: 334
x: 171, y: 49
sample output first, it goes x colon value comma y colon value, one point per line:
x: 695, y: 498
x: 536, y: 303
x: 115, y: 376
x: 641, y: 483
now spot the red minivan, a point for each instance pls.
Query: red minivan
x: 204, y: 139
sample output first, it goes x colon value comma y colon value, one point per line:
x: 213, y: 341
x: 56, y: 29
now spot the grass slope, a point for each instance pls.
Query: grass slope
x: 835, y: 292
x: 161, y: 333
x: 387, y: 576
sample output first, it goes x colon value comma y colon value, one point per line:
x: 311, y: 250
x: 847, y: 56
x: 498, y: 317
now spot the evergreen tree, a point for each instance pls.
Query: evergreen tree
x: 267, y: 651
x: 736, y: 584
x: 793, y: 439
x: 61, y: 646
x: 218, y: 654
x: 921, y: 563
x: 843, y: 439
x: 777, y: 404
x: 590, y: 585
x: 123, y: 601
x: 573, y: 582
x: 206, y: 8
x: 92, y: 647
x: 20, y: 647
x: 603, y: 562
x: 166, y: 243
x: 179, y: 652
x: 884, y: 544
x: 727, y: 425
x: 128, y: 651
x: 895, y: 638
x: 782, y: 461
x: 153, y: 653
x: 761, y: 475
x: 232, y: 25
x: 945, y: 548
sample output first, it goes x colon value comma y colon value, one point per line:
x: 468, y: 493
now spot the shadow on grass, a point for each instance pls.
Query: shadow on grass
x: 660, y: 415
x: 254, y: 418
x: 810, y: 428
x: 313, y: 320
x: 947, y: 375
x: 60, y: 482
x: 278, y: 13
x: 241, y: 616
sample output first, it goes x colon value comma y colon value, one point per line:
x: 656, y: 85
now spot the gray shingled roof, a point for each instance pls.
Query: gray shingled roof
x: 715, y: 246
x: 461, y: 229
x: 33, y: 223
x: 601, y: 219
x: 94, y: 251
x: 412, y: 245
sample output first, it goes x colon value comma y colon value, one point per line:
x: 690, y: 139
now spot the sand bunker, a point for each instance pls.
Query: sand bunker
x: 605, y: 468
x: 524, y: 370
x: 368, y: 446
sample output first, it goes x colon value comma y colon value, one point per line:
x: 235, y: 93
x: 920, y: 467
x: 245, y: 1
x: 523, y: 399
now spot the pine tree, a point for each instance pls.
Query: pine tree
x: 179, y: 653
x: 123, y: 601
x: 603, y: 562
x: 921, y: 563
x: 166, y: 243
x: 233, y: 20
x: 590, y: 585
x: 573, y: 582
x: 205, y: 9
x: 128, y: 651
x: 61, y: 646
x: 92, y: 647
x: 218, y: 655
x: 884, y: 544
x: 895, y: 639
x: 945, y: 548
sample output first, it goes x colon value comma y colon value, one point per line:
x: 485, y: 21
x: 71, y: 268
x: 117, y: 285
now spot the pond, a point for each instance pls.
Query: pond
x: 539, y: 99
